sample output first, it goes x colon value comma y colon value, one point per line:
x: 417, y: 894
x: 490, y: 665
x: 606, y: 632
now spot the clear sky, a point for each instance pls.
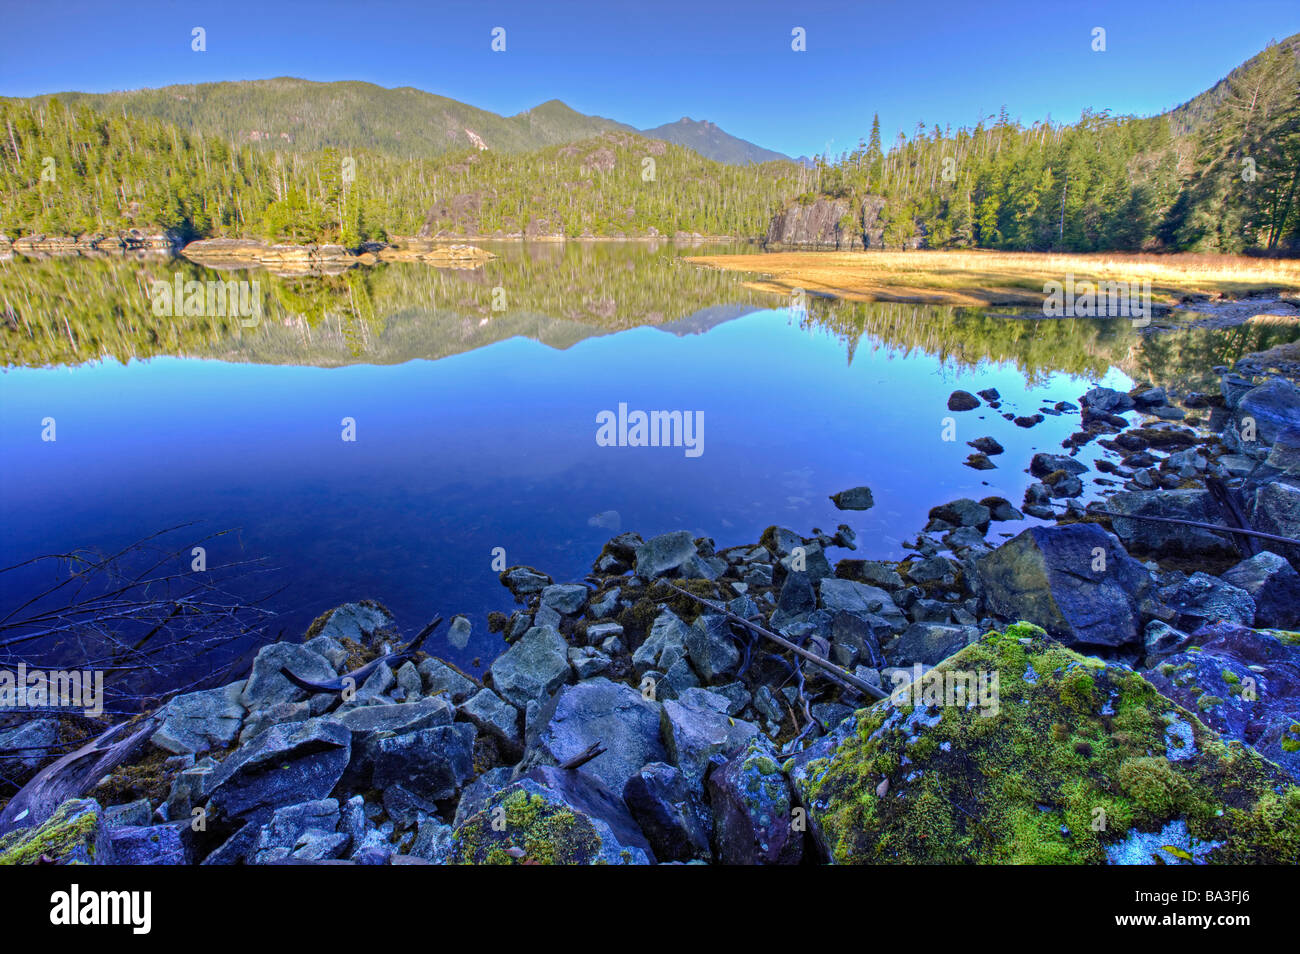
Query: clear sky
x: 647, y: 63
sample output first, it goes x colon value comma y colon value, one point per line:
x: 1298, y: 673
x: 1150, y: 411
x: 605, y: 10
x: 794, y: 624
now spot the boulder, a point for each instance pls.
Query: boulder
x: 441, y: 678
x: 598, y: 710
x: 366, y: 623
x: 148, y: 845
x: 1065, y: 735
x: 523, y: 581
x: 199, y: 721
x: 1242, y: 683
x: 664, y: 645
x: 552, y: 817
x: 282, y: 766
x: 493, y: 716
x: 567, y: 599
x: 1044, y: 464
x: 532, y: 668
x: 1150, y: 537
x: 664, y: 554
x: 1274, y: 406
x: 1273, y: 584
x: 930, y: 643
x: 267, y: 685
x: 753, y: 812
x: 74, y: 834
x: 668, y: 812
x: 962, y: 401
x: 432, y: 764
x: 1076, y: 581
x: 855, y: 498
x: 963, y: 513
x: 1202, y: 599
x: 695, y: 733
x: 853, y: 597
x: 711, y: 648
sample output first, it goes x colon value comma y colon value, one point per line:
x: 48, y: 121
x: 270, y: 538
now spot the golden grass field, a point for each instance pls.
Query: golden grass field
x: 1003, y: 278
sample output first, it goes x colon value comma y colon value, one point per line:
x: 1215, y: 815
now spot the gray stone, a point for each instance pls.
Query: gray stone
x: 695, y: 733
x: 365, y: 623
x: 524, y: 580
x: 148, y: 845
x: 855, y: 498
x: 1202, y: 599
x: 398, y: 717
x: 430, y: 763
x: 598, y: 710
x: 712, y: 650
x: 930, y: 643
x: 284, y: 765
x: 532, y: 668
x: 664, y: 554
x: 752, y: 812
x: 567, y: 599
x: 267, y: 685
x: 442, y: 679
x: 495, y: 717
x: 854, y: 597
x: 1273, y: 584
x: 664, y: 645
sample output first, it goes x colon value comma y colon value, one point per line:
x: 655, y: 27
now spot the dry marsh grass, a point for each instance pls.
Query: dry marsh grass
x: 1003, y: 278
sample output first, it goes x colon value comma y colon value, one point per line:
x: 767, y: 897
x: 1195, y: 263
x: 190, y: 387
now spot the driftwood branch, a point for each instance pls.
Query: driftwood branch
x: 835, y: 672
x: 585, y: 756
x: 1198, y: 524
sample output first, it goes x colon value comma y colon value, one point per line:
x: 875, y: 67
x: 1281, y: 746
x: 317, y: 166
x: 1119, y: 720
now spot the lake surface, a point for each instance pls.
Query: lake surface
x: 476, y: 429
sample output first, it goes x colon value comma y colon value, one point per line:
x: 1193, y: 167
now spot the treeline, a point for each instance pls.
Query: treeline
x: 1221, y: 173
x: 71, y: 171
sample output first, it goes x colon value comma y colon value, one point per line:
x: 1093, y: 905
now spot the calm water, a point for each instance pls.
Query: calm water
x: 476, y: 429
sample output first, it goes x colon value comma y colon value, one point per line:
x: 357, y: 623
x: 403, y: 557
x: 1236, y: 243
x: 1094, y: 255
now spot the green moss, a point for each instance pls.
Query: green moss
x: 68, y: 835
x: 1068, y: 766
x: 1230, y: 677
x: 536, y: 831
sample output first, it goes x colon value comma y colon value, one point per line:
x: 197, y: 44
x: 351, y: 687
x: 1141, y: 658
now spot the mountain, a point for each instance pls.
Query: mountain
x: 302, y: 115
x: 710, y: 141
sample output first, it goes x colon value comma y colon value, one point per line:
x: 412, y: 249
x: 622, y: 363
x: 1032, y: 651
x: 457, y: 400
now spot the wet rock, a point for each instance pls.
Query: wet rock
x: 532, y: 668
x: 980, y: 462
x: 1273, y: 584
x: 668, y: 812
x: 597, y: 710
x: 962, y: 401
x: 986, y: 445
x: 1075, y: 581
x: 1149, y: 537
x: 855, y: 498
x: 1044, y: 464
x: 1108, y: 400
x: 753, y: 812
x: 366, y: 623
x: 963, y: 513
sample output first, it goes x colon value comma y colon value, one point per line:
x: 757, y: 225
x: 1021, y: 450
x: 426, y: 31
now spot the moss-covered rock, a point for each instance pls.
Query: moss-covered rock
x: 74, y: 834
x: 550, y: 818
x: 1073, y: 761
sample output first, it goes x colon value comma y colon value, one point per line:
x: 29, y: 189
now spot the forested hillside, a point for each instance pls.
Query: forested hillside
x: 1219, y: 173
x: 69, y: 171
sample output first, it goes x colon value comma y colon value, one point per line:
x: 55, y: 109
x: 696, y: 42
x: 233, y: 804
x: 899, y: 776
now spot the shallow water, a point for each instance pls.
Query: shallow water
x: 477, y: 429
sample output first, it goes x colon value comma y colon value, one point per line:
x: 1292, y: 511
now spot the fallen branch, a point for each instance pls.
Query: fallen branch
x: 840, y: 675
x: 585, y: 756
x: 1198, y: 524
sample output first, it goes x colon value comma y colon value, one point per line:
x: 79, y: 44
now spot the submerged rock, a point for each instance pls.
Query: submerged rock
x: 1072, y: 758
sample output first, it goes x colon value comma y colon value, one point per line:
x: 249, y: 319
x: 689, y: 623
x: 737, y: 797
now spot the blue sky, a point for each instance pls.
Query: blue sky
x: 937, y: 61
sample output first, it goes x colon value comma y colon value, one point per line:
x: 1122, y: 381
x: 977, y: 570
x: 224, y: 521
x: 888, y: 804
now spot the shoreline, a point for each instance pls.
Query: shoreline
x: 638, y: 662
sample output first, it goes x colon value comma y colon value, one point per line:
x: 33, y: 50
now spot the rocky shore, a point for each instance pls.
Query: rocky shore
x: 1117, y: 683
